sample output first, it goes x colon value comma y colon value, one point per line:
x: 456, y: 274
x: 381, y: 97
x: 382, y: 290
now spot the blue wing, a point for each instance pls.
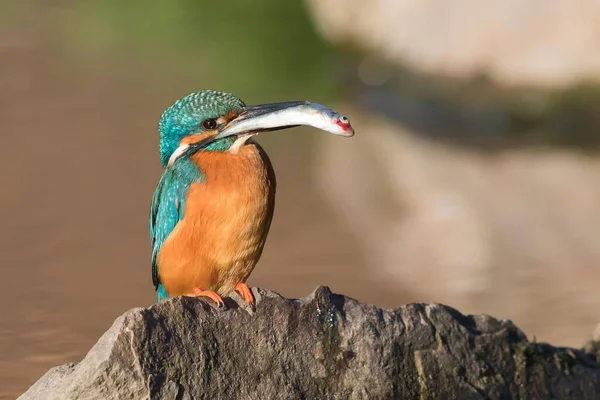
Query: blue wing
x: 168, y: 204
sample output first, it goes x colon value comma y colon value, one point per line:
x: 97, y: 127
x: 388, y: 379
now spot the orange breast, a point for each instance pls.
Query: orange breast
x: 225, y: 223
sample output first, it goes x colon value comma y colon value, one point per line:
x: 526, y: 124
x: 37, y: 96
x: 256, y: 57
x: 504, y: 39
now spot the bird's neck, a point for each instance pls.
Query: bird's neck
x: 220, y: 145
x: 186, y: 148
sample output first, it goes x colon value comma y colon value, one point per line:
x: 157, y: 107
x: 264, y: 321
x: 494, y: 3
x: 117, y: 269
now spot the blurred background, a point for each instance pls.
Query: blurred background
x: 472, y: 180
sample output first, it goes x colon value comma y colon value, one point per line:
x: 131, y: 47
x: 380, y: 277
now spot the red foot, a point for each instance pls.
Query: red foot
x: 246, y: 293
x: 210, y: 294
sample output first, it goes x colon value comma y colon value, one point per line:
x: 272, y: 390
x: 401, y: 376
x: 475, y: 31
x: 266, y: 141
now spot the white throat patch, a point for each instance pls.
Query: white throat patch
x: 177, y: 153
x: 239, y: 142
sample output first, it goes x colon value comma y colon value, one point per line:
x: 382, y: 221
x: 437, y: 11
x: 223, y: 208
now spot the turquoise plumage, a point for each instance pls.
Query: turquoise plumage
x: 168, y: 204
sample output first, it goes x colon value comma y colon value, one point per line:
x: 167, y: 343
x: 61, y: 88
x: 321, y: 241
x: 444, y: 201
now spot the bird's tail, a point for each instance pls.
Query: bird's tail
x: 162, y: 293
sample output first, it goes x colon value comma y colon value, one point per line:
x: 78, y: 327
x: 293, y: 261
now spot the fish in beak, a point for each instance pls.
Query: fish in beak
x: 272, y: 117
x: 276, y: 116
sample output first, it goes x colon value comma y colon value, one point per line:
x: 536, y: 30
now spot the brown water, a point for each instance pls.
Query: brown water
x: 80, y: 163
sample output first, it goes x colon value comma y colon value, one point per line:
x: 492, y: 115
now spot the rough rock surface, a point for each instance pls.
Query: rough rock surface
x: 325, y: 346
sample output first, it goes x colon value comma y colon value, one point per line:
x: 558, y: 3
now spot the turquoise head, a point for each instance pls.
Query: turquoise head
x: 195, y: 113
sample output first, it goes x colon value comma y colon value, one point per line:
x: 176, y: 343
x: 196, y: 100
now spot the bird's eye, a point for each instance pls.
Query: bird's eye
x: 209, y: 124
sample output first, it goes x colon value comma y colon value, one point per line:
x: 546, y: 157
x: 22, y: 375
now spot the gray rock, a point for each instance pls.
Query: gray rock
x: 326, y: 346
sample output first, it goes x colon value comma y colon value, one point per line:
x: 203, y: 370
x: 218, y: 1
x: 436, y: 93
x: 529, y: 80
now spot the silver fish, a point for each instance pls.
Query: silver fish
x: 276, y: 116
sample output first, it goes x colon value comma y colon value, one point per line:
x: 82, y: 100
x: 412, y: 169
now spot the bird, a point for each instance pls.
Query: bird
x: 212, y: 208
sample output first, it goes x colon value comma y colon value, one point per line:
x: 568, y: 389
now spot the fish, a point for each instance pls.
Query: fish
x: 262, y: 118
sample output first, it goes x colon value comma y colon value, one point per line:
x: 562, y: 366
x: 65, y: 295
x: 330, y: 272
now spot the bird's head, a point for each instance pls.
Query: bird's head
x: 212, y: 120
x: 195, y: 116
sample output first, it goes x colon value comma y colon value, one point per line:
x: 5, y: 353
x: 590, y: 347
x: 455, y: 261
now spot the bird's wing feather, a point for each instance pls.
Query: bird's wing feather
x: 168, y: 203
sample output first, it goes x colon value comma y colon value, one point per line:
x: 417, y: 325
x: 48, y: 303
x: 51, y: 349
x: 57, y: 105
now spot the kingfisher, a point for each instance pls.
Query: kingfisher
x: 213, y: 206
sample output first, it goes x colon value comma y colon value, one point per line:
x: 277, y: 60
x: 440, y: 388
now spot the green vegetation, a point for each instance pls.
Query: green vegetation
x: 256, y: 49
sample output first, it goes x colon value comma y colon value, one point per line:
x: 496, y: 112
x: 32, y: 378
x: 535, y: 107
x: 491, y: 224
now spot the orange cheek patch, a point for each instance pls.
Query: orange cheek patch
x: 224, y: 119
x: 196, y: 137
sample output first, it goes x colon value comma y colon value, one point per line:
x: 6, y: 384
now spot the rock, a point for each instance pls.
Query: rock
x: 514, y: 42
x: 593, y: 346
x: 326, y: 346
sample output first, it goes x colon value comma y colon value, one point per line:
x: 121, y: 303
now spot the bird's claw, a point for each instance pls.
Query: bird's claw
x: 246, y: 294
x: 211, y: 295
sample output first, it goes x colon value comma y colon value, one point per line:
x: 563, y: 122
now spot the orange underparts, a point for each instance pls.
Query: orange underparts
x: 246, y: 293
x: 220, y: 238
